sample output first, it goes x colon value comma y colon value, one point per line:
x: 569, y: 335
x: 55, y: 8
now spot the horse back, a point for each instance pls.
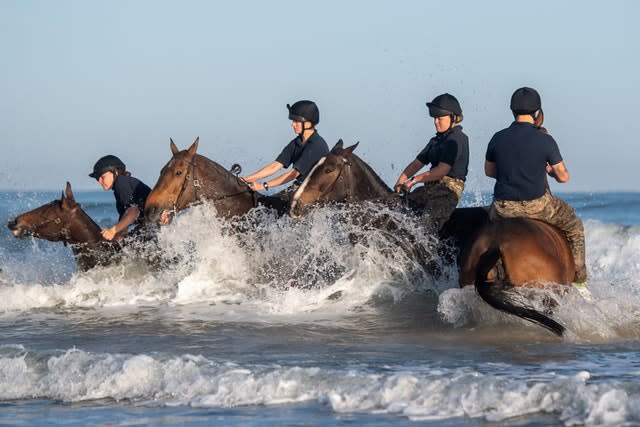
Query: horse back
x: 531, y: 252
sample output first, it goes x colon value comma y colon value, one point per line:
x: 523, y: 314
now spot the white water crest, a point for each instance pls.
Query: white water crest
x: 418, y: 393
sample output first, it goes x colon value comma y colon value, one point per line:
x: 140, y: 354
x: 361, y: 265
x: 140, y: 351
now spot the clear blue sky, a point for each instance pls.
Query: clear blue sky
x: 80, y: 79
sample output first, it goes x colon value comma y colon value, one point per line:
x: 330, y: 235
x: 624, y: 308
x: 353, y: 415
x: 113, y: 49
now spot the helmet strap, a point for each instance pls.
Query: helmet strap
x: 301, y: 134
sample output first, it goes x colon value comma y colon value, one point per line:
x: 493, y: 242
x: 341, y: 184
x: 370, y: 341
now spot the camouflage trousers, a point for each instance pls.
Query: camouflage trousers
x: 553, y: 211
x: 437, y: 200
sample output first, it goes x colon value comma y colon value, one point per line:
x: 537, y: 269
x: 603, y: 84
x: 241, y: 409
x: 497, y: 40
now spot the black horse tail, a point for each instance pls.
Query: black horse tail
x: 497, y: 294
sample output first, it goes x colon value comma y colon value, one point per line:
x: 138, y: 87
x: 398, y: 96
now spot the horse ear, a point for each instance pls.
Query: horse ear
x: 69, y: 192
x: 353, y: 147
x: 194, y: 147
x: 174, y: 149
x: 338, y: 147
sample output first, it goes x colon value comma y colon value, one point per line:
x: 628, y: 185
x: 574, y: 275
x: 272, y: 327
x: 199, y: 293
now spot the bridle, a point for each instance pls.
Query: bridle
x: 341, y: 178
x: 191, y: 182
x: 64, y: 232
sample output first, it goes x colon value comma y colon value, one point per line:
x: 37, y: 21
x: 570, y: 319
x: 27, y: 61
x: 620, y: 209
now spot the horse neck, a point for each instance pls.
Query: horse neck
x: 370, y: 184
x: 225, y: 183
x: 83, y: 229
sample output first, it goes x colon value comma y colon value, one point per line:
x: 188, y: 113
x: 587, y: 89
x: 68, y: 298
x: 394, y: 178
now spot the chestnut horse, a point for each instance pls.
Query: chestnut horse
x: 495, y: 256
x: 64, y: 221
x: 189, y: 178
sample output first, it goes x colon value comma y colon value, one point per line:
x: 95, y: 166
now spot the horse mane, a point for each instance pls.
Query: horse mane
x: 218, y: 168
x: 91, y: 224
x: 372, y: 176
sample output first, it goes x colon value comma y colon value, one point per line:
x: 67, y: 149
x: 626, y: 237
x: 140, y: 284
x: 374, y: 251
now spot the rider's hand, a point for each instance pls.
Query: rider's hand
x: 406, y: 186
x: 109, y: 233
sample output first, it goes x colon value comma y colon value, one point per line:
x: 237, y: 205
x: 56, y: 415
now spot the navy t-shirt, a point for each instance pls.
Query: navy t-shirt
x: 452, y: 148
x: 521, y: 153
x: 130, y: 191
x: 303, y: 156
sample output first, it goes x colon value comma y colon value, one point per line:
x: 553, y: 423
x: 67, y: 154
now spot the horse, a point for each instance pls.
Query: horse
x: 65, y: 221
x: 499, y: 255
x: 495, y: 256
x: 189, y: 178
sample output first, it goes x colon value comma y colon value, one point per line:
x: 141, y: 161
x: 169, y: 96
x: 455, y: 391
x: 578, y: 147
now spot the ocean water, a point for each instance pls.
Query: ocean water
x: 289, y: 323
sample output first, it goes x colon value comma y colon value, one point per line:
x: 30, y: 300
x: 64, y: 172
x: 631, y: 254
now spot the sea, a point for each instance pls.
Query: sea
x: 295, y: 323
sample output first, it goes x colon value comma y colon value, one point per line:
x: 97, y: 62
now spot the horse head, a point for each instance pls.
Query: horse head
x: 189, y: 178
x: 57, y: 221
x: 176, y: 187
x: 339, y: 177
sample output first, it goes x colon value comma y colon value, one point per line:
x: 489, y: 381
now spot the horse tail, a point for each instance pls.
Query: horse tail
x: 495, y: 293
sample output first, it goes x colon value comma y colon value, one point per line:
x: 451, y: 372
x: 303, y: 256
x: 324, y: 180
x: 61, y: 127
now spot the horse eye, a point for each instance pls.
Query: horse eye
x: 328, y: 170
x: 178, y: 173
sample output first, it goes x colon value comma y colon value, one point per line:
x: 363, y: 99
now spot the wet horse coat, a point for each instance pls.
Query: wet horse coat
x: 497, y: 256
x: 189, y: 178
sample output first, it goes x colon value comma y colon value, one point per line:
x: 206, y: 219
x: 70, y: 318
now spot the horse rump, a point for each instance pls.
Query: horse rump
x: 499, y: 293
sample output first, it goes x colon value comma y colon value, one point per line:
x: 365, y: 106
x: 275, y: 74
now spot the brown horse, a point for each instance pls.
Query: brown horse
x: 496, y: 256
x: 64, y: 221
x: 189, y: 178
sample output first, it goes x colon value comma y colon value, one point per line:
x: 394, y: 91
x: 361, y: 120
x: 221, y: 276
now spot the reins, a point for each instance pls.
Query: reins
x: 196, y: 185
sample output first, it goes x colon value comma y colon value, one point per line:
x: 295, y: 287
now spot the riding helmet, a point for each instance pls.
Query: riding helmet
x: 525, y: 101
x: 445, y: 105
x: 106, y: 164
x: 304, y: 111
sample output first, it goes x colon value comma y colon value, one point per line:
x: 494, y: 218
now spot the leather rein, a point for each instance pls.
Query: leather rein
x: 197, y: 187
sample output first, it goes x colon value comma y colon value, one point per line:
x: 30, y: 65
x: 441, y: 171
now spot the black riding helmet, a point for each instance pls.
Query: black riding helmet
x: 304, y: 111
x: 445, y: 105
x: 108, y: 163
x: 525, y: 101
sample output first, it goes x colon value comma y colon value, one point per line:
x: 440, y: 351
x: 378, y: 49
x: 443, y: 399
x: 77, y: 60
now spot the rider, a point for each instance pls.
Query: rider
x: 303, y: 151
x: 448, y: 154
x: 518, y: 157
x: 130, y: 194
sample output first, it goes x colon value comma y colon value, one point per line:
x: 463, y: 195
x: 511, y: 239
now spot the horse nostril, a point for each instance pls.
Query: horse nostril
x: 12, y: 224
x: 149, y: 214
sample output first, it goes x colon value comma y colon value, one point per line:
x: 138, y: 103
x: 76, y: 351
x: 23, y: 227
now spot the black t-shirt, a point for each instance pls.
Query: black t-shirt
x: 130, y: 191
x: 303, y: 156
x: 452, y: 148
x: 521, y: 153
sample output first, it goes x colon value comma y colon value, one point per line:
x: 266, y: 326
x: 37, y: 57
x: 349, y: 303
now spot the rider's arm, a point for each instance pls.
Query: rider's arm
x: 279, y: 180
x: 129, y: 217
x: 490, y: 169
x: 559, y: 172
x: 409, y: 171
x: 264, y: 172
x: 433, y: 174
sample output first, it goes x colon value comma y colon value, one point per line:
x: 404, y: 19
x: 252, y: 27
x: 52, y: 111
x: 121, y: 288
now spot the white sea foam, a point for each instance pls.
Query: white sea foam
x: 423, y: 394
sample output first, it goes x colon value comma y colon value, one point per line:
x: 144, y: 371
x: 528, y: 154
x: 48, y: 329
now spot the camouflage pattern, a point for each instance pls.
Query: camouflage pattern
x: 437, y: 200
x: 553, y: 211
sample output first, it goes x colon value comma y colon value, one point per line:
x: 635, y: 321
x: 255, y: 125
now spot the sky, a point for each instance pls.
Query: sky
x: 81, y: 79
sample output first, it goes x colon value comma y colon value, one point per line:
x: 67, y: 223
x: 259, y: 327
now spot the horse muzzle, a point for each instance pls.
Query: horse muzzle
x: 16, y: 229
x: 298, y: 210
x: 158, y: 215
